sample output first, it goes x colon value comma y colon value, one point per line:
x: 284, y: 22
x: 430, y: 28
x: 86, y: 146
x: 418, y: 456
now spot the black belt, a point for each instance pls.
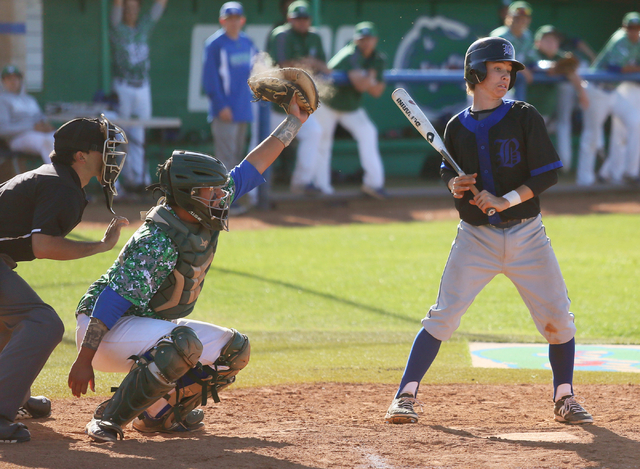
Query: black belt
x: 508, y: 223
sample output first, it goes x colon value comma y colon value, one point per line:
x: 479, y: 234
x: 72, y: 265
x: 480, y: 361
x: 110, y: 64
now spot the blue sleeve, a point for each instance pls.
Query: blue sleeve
x: 211, y: 81
x: 110, y: 307
x: 245, y: 177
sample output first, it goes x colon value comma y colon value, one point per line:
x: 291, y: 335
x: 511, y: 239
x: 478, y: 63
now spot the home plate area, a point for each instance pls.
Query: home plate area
x: 536, y: 356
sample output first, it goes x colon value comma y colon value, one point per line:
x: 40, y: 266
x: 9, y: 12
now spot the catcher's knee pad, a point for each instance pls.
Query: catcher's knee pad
x: 153, y: 375
x: 234, y: 356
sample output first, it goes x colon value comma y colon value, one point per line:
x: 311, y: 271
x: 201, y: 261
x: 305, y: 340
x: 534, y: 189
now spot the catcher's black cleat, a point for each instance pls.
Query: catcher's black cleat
x: 401, y: 410
x: 191, y: 422
x: 567, y: 410
x: 13, y: 432
x: 104, y: 431
x: 37, y: 407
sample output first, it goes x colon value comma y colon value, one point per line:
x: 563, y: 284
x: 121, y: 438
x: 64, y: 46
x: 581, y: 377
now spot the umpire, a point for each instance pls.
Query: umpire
x: 38, y: 210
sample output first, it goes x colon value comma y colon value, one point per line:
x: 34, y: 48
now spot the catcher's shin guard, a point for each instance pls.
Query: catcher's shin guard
x: 196, y: 386
x: 152, y: 376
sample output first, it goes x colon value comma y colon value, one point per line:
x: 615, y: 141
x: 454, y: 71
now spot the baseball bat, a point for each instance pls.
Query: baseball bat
x: 415, y: 115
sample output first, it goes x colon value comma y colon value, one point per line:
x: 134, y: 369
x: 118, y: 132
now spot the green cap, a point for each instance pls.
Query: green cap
x: 546, y: 29
x: 11, y: 70
x: 364, y: 29
x: 520, y: 8
x: 298, y: 9
x: 631, y: 19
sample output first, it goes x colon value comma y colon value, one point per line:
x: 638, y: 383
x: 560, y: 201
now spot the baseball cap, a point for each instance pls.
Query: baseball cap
x: 79, y: 134
x: 630, y: 19
x: 11, y: 70
x: 230, y: 9
x: 520, y: 8
x: 546, y: 29
x: 365, y: 28
x: 298, y: 9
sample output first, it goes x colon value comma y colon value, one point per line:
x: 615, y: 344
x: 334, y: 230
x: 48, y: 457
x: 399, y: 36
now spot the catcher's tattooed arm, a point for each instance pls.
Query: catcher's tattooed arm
x: 266, y: 153
x: 81, y: 374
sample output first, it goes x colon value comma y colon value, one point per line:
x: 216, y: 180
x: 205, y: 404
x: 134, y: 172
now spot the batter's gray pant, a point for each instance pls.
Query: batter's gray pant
x: 29, y: 331
x: 524, y: 254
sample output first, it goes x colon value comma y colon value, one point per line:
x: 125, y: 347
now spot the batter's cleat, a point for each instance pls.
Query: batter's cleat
x: 13, y: 432
x: 104, y: 431
x: 192, y: 422
x: 567, y: 410
x: 37, y: 407
x: 401, y: 410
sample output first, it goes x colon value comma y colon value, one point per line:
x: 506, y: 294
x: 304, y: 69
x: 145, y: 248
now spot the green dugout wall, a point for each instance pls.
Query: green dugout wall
x: 413, y: 34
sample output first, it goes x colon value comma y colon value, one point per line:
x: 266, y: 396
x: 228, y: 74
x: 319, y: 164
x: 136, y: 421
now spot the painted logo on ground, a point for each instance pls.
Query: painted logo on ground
x: 536, y: 356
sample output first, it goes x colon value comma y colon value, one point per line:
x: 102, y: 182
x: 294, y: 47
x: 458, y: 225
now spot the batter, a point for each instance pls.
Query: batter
x: 504, y: 149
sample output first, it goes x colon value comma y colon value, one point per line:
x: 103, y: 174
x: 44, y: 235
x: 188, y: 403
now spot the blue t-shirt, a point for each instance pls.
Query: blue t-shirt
x: 226, y: 69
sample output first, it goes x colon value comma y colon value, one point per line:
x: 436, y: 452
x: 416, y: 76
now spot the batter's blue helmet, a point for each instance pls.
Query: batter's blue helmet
x: 489, y: 49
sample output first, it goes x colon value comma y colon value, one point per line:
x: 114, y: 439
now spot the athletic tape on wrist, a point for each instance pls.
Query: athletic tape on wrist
x: 287, y: 130
x: 513, y: 198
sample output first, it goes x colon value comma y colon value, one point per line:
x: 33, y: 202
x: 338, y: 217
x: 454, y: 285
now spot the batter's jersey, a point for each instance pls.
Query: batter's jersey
x: 346, y: 97
x: 507, y: 147
x: 48, y: 200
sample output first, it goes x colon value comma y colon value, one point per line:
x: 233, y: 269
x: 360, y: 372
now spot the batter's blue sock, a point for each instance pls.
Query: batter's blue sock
x: 561, y: 359
x: 423, y: 352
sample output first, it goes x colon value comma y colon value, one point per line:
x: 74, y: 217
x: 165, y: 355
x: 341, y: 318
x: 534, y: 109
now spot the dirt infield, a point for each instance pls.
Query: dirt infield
x: 336, y: 211
x: 342, y: 426
x: 333, y: 425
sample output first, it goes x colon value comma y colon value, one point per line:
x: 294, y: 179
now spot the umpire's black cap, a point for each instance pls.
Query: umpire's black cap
x: 79, y: 134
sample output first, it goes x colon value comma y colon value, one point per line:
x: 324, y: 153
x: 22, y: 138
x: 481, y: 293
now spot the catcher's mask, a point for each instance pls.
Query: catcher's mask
x: 112, y: 158
x: 198, y: 183
x: 489, y: 49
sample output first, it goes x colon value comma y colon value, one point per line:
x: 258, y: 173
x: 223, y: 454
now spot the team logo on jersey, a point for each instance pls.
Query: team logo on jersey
x: 508, y: 50
x: 509, y: 152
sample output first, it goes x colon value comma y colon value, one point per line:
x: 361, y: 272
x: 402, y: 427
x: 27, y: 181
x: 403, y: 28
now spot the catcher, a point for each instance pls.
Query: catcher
x: 133, y: 319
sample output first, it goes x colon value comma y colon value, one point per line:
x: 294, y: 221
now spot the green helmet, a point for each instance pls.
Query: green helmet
x: 182, y: 177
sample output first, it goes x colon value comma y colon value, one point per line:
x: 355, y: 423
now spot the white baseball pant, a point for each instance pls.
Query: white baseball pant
x: 603, y: 103
x: 134, y: 101
x: 33, y: 141
x: 365, y: 134
x: 307, y: 154
x: 620, y: 163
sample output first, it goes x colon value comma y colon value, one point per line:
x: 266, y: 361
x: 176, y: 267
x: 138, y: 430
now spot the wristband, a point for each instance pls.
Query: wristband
x: 287, y: 130
x: 94, y: 334
x: 513, y: 198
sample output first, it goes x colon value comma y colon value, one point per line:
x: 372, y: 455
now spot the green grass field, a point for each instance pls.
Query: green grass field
x: 343, y: 303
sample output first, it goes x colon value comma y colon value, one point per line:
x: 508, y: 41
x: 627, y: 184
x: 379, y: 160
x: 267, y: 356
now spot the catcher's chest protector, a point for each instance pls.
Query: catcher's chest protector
x: 177, y: 295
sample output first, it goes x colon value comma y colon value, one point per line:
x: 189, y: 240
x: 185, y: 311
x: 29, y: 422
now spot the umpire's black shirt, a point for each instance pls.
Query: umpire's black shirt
x: 48, y: 200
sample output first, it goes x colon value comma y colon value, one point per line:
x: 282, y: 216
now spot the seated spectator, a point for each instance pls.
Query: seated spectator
x: 551, y: 99
x: 364, y: 66
x: 22, y: 123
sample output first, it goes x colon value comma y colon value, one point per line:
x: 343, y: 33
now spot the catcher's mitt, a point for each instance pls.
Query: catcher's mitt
x: 566, y: 65
x: 282, y: 85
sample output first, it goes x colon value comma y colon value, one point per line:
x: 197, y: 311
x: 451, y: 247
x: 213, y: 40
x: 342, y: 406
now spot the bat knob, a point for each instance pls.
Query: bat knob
x: 491, y: 212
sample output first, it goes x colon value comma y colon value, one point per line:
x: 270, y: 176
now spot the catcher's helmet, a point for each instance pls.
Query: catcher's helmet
x: 489, y: 49
x: 182, y: 177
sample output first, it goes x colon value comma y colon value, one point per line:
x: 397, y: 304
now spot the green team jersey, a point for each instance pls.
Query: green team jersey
x: 130, y: 49
x: 618, y: 52
x: 522, y: 44
x: 286, y: 44
x: 142, y: 266
x: 346, y: 97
